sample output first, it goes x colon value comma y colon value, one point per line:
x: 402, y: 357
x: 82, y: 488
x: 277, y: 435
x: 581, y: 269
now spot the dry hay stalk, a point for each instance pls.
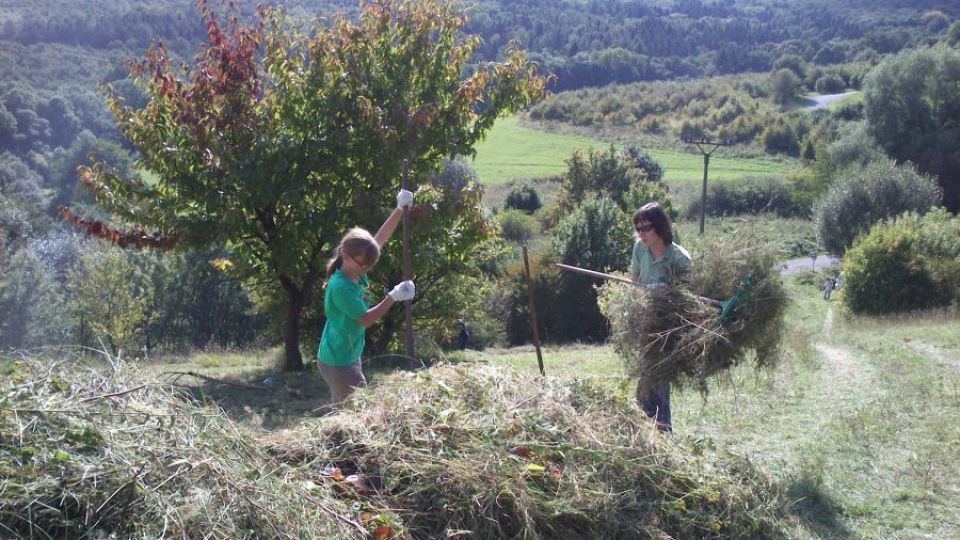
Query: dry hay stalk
x: 669, y: 334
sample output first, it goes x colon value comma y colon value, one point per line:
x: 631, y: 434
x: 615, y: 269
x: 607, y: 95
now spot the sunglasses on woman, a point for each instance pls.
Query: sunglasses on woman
x: 644, y: 228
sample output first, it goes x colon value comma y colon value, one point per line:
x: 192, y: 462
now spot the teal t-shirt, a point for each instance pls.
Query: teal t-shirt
x: 672, y: 265
x: 343, y: 338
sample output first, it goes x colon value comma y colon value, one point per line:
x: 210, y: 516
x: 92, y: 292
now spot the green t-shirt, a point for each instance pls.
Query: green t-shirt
x: 672, y: 265
x: 343, y: 338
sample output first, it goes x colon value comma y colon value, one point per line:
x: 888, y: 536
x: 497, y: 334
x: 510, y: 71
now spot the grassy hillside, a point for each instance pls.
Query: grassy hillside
x: 513, y: 150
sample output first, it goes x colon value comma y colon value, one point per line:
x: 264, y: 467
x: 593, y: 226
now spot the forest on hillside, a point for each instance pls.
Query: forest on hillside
x: 585, y: 43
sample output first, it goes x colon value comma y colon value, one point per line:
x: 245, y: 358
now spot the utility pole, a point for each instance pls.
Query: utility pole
x: 706, y: 148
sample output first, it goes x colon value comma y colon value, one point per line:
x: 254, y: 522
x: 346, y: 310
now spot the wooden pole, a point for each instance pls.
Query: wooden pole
x: 533, y: 310
x: 407, y: 273
x: 596, y: 274
x: 703, y: 196
x: 611, y: 277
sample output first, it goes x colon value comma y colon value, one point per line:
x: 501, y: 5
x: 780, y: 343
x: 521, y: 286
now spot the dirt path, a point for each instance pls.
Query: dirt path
x: 792, y: 266
x: 842, y: 375
x: 819, y: 102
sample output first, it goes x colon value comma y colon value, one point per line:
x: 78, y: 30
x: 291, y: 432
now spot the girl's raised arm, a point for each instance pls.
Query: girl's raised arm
x: 404, y: 199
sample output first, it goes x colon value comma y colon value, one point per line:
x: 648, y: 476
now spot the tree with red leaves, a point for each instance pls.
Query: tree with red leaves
x: 274, y: 140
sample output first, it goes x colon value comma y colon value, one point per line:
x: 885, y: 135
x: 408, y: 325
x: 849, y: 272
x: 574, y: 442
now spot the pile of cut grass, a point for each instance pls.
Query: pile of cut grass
x: 483, y: 449
x: 670, y: 334
x: 90, y: 450
x: 436, y: 453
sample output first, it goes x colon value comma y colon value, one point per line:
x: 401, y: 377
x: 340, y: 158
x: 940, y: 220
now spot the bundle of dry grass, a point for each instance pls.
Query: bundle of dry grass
x: 672, y: 334
x: 443, y: 452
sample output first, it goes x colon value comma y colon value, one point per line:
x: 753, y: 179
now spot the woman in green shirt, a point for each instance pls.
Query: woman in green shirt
x: 656, y: 262
x: 346, y: 304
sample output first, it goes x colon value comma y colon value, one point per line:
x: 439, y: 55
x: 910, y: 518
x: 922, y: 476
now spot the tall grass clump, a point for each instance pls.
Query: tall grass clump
x: 674, y: 334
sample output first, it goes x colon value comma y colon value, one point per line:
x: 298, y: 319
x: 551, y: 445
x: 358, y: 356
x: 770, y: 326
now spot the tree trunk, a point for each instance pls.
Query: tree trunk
x: 291, y: 331
x: 297, y: 298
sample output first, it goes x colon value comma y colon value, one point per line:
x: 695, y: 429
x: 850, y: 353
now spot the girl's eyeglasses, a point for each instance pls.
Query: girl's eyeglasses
x: 644, y: 228
x: 360, y: 264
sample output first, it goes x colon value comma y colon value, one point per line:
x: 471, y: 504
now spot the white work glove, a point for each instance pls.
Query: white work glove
x: 404, y: 199
x: 404, y: 290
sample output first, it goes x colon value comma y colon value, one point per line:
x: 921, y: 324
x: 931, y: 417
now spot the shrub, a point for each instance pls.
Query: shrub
x: 641, y: 193
x: 910, y: 262
x: 637, y: 157
x: 865, y: 195
x: 854, y: 147
x: 596, y: 236
x: 523, y: 197
x: 517, y: 226
x: 629, y: 178
x: 750, y: 195
x: 830, y: 83
x: 781, y: 138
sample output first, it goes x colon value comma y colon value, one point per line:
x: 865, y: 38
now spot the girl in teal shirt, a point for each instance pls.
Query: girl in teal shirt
x: 346, y: 305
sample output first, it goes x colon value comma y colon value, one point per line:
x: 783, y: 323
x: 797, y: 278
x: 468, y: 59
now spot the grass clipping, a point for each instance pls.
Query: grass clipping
x: 452, y: 451
x: 670, y: 334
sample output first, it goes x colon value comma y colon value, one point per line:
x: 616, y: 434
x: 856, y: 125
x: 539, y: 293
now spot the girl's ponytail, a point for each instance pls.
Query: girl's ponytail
x: 335, y: 262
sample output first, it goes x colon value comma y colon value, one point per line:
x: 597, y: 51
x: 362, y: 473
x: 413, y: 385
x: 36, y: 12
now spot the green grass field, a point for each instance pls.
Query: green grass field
x: 513, y: 151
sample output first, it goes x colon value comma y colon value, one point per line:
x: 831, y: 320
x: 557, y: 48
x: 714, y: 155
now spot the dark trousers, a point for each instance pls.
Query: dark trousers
x: 656, y: 405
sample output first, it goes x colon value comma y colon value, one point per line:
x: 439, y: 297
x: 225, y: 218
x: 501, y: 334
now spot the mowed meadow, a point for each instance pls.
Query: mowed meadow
x: 514, y: 150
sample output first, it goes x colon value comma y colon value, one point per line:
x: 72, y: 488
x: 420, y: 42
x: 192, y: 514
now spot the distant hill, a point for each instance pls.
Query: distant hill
x: 53, y: 54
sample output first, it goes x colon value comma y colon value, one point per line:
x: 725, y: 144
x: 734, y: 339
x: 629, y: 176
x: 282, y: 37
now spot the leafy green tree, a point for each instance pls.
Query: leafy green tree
x: 30, y: 299
x: 275, y: 141
x: 109, y: 298
x: 783, y: 86
x: 793, y: 62
x: 862, y: 196
x: 831, y: 83
x: 913, y: 111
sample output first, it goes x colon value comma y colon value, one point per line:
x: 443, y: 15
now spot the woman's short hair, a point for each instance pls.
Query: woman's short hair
x: 655, y: 215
